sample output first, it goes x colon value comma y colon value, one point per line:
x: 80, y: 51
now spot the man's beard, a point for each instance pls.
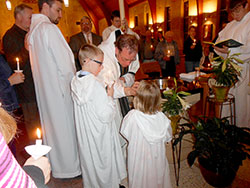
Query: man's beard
x: 56, y: 21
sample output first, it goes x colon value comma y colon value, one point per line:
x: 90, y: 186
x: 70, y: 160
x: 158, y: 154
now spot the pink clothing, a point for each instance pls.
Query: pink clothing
x: 11, y: 174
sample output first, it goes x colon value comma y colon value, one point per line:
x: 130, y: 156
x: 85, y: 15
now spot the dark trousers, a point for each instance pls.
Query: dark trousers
x: 170, y: 68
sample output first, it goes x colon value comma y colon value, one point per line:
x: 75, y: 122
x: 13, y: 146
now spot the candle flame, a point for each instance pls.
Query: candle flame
x: 194, y: 40
x: 38, y: 133
x: 168, y: 77
x: 17, y: 59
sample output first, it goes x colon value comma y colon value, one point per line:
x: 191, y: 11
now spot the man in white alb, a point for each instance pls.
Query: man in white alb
x: 239, y: 30
x: 53, y: 67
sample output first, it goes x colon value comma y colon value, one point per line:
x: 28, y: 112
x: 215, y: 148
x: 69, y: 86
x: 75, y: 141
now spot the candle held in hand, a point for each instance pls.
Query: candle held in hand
x: 168, y: 53
x: 17, y: 62
x: 39, y: 140
x: 194, y: 43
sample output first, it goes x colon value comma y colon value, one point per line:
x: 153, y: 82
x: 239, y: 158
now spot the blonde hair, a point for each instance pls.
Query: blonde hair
x: 89, y: 51
x: 8, y: 125
x: 148, y: 97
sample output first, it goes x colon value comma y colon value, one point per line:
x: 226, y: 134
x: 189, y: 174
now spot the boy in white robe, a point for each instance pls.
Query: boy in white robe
x: 147, y: 130
x: 102, y: 162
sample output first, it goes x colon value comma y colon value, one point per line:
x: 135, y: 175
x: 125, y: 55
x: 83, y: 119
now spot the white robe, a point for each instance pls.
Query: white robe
x: 106, y: 32
x: 111, y: 73
x: 240, y: 31
x: 52, y: 63
x: 147, y: 162
x: 102, y: 162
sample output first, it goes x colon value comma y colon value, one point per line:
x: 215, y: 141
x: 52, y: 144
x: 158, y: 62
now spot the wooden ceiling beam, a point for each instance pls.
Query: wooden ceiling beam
x: 105, y: 11
x: 152, y: 5
x: 135, y: 3
x: 91, y: 14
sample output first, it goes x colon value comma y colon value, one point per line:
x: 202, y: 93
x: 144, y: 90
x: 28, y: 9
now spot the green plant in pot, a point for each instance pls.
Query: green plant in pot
x: 220, y: 148
x: 174, y: 105
x: 226, y: 73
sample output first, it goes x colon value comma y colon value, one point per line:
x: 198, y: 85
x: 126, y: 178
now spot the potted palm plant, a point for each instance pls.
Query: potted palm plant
x: 174, y: 105
x: 219, y: 146
x: 226, y: 73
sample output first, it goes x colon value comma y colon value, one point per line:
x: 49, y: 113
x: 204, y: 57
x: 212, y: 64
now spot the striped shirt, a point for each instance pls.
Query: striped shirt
x: 11, y: 174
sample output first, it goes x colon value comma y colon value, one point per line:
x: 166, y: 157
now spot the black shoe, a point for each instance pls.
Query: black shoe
x: 122, y: 186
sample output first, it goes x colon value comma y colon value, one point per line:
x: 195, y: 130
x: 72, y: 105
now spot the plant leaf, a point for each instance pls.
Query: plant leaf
x: 191, y: 157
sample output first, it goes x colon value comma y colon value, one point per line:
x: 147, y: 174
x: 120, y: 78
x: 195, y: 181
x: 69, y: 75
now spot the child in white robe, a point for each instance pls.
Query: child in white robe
x: 102, y: 162
x: 147, y: 130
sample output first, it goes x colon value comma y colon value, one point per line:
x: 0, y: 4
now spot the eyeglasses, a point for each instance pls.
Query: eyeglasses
x: 85, y: 23
x: 99, y: 62
x: 126, y: 59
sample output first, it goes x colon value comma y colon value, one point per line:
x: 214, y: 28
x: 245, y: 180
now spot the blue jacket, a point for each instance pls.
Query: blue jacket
x: 8, y: 96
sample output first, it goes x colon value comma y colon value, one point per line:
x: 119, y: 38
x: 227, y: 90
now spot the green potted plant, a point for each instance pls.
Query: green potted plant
x: 174, y: 105
x: 226, y: 73
x: 219, y: 147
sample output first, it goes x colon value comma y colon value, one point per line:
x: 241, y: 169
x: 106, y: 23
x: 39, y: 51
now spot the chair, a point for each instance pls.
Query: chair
x: 151, y: 67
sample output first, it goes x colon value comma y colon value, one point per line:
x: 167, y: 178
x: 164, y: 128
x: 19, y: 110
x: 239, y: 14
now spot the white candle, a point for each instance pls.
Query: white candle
x: 122, y: 10
x: 194, y: 42
x: 17, y: 62
x: 168, y: 53
x: 39, y: 140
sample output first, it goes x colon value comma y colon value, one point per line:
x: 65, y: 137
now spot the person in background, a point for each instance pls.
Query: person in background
x: 167, y: 53
x: 84, y: 37
x: 192, y: 50
x: 239, y: 30
x: 207, y: 57
x: 147, y: 48
x: 101, y: 166
x: 116, y: 24
x: 147, y: 130
x: 8, y: 98
x: 160, y: 36
x: 53, y: 68
x: 11, y: 174
x: 14, y: 47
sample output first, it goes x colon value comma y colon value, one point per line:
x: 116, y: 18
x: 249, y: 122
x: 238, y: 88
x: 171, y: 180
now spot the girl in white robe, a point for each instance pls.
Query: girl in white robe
x: 101, y: 158
x: 147, y: 130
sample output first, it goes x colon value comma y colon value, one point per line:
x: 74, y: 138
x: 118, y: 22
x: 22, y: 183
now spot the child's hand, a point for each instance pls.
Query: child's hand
x: 110, y: 90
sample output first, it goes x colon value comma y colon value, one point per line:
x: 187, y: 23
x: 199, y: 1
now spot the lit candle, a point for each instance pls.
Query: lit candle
x: 151, y: 46
x: 208, y: 65
x: 194, y: 43
x: 160, y: 83
x: 39, y: 140
x: 168, y: 53
x: 168, y: 77
x: 17, y: 62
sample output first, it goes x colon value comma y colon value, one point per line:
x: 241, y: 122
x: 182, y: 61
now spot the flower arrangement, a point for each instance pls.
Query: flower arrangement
x: 175, y: 104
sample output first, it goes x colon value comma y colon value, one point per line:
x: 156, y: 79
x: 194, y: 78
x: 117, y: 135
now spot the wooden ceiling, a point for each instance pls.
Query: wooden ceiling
x: 99, y: 9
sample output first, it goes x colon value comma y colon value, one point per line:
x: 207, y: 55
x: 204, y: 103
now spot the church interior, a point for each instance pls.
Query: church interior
x: 157, y: 16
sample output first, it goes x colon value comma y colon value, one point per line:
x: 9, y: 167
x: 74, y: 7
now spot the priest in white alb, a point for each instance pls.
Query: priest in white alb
x: 52, y: 63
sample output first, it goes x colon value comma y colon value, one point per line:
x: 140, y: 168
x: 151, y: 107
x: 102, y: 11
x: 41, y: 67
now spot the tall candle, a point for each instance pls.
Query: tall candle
x: 39, y: 140
x: 122, y: 10
x: 17, y: 62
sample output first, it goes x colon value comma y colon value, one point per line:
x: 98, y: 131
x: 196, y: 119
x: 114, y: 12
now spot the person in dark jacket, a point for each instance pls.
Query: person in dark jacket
x: 192, y: 50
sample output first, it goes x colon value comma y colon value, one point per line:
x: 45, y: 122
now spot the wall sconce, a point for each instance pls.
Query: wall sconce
x: 8, y: 4
x: 66, y: 3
